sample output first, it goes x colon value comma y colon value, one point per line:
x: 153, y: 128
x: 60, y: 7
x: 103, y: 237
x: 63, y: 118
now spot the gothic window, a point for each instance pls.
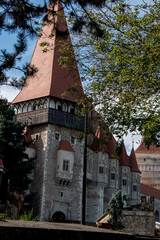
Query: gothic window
x: 124, y: 182
x: 71, y: 109
x: 52, y: 104
x: 45, y: 104
x: 57, y: 136
x: 134, y: 188
x: 65, y: 165
x: 73, y: 140
x: 101, y: 170
x: 24, y: 108
x: 59, y: 106
x: 30, y: 107
x: 65, y: 107
x: 113, y: 176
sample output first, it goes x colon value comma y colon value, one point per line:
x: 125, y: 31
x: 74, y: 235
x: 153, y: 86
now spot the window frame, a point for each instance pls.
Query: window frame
x: 101, y: 170
x: 65, y: 166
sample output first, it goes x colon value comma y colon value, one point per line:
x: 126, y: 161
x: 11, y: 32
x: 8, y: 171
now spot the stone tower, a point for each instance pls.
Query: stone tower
x: 54, y: 125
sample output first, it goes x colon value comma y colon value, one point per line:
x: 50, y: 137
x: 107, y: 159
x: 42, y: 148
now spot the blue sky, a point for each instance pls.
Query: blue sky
x: 7, y: 40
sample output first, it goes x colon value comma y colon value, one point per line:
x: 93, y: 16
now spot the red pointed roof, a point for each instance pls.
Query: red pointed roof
x: 51, y: 79
x: 99, y: 133
x: 65, y: 145
x: 99, y: 142
x: 133, y: 162
x: 111, y: 145
x: 124, y: 160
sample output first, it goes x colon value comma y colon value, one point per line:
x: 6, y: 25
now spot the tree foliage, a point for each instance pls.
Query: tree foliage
x: 13, y: 145
x: 115, y: 208
x: 121, y: 69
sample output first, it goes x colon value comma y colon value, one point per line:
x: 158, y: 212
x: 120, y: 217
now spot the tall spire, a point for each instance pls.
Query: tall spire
x: 124, y: 160
x: 51, y: 79
x: 133, y: 162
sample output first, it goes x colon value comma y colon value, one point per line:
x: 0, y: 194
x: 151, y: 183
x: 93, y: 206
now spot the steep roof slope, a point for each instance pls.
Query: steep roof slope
x: 124, y: 159
x: 51, y: 79
x: 133, y: 162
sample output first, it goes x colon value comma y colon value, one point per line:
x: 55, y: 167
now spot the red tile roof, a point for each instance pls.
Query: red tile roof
x: 133, y: 162
x: 51, y: 79
x: 124, y: 159
x: 144, y: 150
x: 99, y: 143
x: 112, y: 145
x: 149, y: 191
x: 65, y: 145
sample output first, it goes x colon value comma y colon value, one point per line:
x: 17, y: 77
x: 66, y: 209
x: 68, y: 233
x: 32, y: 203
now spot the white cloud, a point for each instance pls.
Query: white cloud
x: 8, y: 92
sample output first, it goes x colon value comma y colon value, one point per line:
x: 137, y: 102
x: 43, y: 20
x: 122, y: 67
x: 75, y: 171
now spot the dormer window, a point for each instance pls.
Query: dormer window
x: 73, y: 140
x: 57, y: 136
x: 65, y: 165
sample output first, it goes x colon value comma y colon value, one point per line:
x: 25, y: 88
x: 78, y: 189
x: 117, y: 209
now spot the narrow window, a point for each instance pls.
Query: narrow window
x: 124, y: 182
x: 36, y: 137
x: 134, y: 188
x: 61, y: 194
x: 73, y: 140
x: 57, y: 136
x: 144, y: 159
x: 65, y: 165
x: 112, y: 176
x: 100, y: 170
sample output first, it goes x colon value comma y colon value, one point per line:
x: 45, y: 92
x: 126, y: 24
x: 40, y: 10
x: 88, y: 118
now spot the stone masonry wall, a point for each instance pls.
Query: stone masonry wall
x: 138, y: 222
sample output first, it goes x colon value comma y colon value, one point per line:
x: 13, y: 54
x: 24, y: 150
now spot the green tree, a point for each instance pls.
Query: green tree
x: 115, y: 208
x: 122, y: 68
x: 13, y: 145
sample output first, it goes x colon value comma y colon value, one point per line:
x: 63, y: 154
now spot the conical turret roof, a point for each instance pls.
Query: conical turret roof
x: 111, y: 145
x: 51, y: 79
x: 133, y: 162
x: 124, y: 159
x: 99, y: 141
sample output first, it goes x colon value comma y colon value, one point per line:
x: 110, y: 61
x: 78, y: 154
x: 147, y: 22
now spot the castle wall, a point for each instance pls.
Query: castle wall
x: 59, y: 194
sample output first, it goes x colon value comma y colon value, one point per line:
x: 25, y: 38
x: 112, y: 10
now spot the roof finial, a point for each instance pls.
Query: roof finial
x: 133, y: 144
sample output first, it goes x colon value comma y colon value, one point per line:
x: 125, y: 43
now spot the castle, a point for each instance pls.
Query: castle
x: 55, y: 125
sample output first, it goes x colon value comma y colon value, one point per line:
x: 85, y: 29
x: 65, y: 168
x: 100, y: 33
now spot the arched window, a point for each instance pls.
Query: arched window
x: 59, y: 106
x: 19, y: 109
x: 24, y: 108
x: 30, y: 107
x: 45, y: 104
x: 58, y: 217
x: 52, y: 104
x: 65, y: 107
x: 71, y: 109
